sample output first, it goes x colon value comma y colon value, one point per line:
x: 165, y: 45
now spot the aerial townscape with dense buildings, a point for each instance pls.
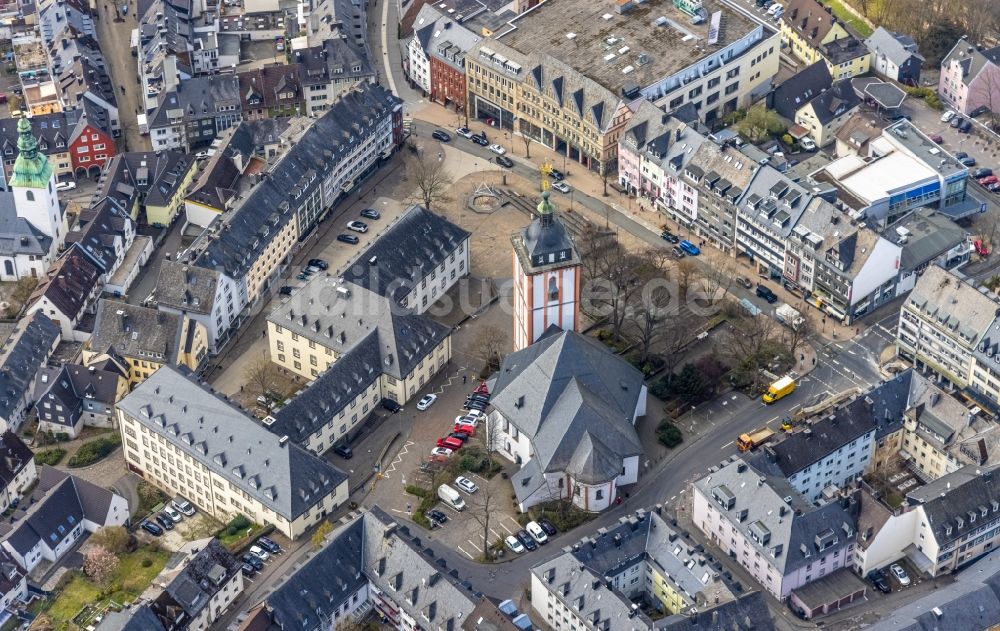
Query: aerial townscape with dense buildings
x: 499, y: 315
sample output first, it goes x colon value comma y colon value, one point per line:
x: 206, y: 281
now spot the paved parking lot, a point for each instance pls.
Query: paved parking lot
x: 464, y: 530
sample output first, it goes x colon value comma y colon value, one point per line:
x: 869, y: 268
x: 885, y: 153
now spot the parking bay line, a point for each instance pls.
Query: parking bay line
x: 466, y: 553
x: 504, y: 526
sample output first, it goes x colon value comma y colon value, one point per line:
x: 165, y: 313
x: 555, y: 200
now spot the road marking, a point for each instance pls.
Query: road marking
x: 794, y: 407
x: 726, y: 445
x: 398, y: 459
x: 504, y: 526
x: 852, y: 352
x: 836, y: 362
x: 496, y: 534
x: 672, y: 498
x: 401, y: 512
x: 466, y: 553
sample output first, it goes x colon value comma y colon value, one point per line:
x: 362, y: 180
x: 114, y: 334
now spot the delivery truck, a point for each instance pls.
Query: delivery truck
x: 757, y: 437
x: 789, y: 316
x: 780, y: 388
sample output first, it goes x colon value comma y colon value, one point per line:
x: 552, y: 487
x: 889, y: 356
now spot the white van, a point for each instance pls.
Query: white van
x: 451, y: 497
x: 536, y: 532
x: 775, y: 8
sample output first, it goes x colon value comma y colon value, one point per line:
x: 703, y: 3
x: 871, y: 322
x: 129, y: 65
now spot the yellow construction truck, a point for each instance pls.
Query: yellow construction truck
x: 780, y: 388
x: 757, y: 437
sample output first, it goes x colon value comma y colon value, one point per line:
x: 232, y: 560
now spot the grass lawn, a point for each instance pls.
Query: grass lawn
x: 129, y: 581
x: 845, y: 16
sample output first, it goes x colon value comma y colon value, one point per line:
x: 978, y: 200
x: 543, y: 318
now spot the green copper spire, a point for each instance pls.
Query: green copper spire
x: 31, y: 169
x: 545, y: 209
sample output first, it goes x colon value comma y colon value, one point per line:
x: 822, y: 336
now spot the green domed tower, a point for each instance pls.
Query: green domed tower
x: 34, y: 187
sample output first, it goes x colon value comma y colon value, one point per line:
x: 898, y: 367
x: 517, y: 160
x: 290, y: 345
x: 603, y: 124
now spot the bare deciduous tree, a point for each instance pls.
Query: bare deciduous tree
x: 482, y: 505
x: 261, y: 374
x: 23, y: 289
x: 431, y: 179
x: 491, y: 348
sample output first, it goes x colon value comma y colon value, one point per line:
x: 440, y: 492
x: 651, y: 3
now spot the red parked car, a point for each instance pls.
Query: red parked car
x: 465, y: 429
x: 980, y: 247
x: 986, y: 181
x: 450, y: 443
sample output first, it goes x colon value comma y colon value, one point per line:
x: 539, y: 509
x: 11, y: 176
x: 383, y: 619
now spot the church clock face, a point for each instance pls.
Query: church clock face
x: 552, y: 257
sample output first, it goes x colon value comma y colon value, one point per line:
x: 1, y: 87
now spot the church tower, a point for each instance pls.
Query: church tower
x: 34, y: 186
x: 546, y: 277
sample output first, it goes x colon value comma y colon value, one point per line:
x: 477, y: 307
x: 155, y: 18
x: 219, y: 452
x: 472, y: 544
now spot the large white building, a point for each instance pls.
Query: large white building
x: 232, y: 464
x: 564, y: 409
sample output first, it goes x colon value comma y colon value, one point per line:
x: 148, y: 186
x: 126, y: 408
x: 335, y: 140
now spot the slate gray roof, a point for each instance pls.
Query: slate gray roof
x: 200, y: 579
x: 101, y: 231
x: 279, y: 474
x: 343, y: 315
x: 784, y: 209
x: 197, y: 98
x: 835, y: 102
x: 748, y: 613
x: 794, y: 527
x: 71, y: 281
x: 186, y: 287
x: 970, y: 602
x: 153, y: 176
x: 14, y: 456
x: 325, y: 397
x: 58, y: 504
x: 22, y: 354
x: 971, y: 58
x: 445, y: 38
x: 17, y: 235
x: 413, y: 246
x: 78, y: 389
x: 321, y: 63
x: 969, y: 490
x: 136, y: 618
x: 371, y: 547
x: 584, y: 571
x: 531, y: 381
x: 930, y: 235
x: 303, y: 168
x: 217, y: 183
x: 136, y: 332
x: 800, y: 88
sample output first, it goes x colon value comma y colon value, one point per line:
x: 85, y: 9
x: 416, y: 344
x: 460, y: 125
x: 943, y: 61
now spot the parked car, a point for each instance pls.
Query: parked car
x: 313, y: 270
x: 174, y: 514
x: 981, y: 172
x: 357, y: 226
x: 677, y: 252
x: 763, y: 291
x: 476, y: 415
x: 253, y: 561
x: 989, y: 179
x: 480, y: 140
x: 450, y: 443
x: 348, y: 238
x: 201, y: 155
x: 286, y: 290
x: 960, y: 155
x: 65, y: 186
x: 269, y: 544
x: 371, y: 213
x: 151, y: 528
x: 441, y: 452
x: 670, y: 237
x: 994, y: 187
x: 165, y: 522
x: 556, y: 174
x: 513, y: 544
x: 248, y: 570
x: 561, y: 186
x: 526, y: 540
x: 548, y: 527
x: 955, y: 122
x: 344, y: 452
x: 441, y: 135
x: 936, y: 138
x: 391, y: 405
x: 259, y: 552
x: 464, y: 132
x: 965, y: 126
x: 537, y: 532
x: 505, y: 162
x: 467, y: 420
x: 184, y: 506
x: 968, y: 161
x: 319, y: 264
x: 497, y: 149
x: 877, y: 577
x: 980, y: 247
x: 464, y: 429
x: 689, y: 248
x: 744, y: 282
x: 900, y: 574
x: 465, y: 484
x: 462, y: 436
x: 426, y: 401
x: 947, y: 116
x: 808, y: 144
x: 436, y: 515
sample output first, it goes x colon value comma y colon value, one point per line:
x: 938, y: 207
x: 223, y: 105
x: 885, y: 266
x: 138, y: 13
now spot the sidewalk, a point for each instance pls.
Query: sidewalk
x: 636, y: 209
